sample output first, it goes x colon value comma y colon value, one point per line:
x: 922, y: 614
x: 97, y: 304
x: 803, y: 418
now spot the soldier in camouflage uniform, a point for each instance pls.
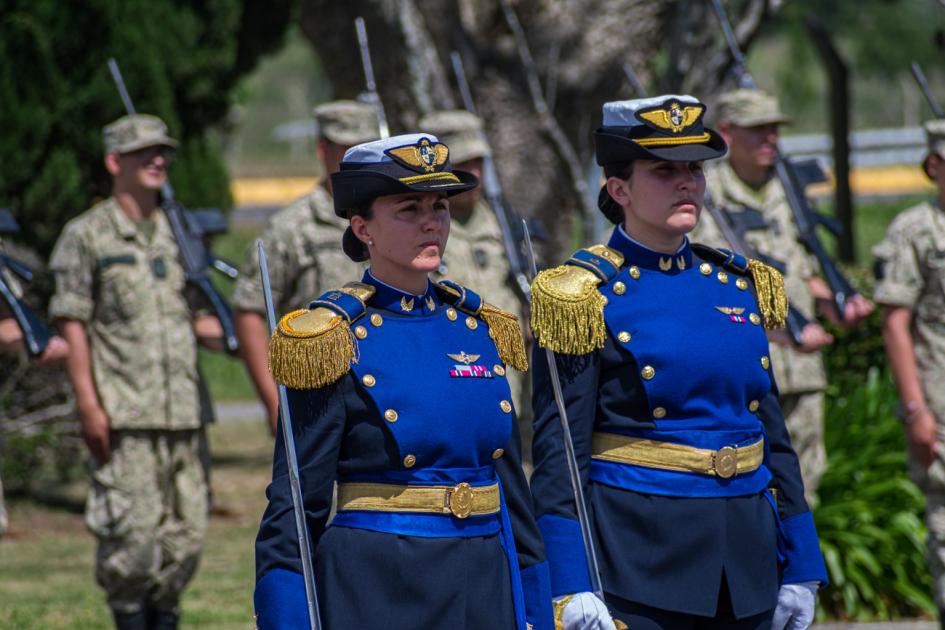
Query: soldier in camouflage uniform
x: 11, y: 342
x: 475, y: 256
x: 120, y: 304
x: 910, y: 274
x: 303, y: 247
x: 749, y: 120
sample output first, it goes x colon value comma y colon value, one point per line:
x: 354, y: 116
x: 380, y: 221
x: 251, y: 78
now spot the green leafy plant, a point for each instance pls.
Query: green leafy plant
x: 870, y: 515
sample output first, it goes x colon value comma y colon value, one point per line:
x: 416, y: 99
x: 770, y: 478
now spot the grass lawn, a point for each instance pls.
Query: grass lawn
x: 46, y: 571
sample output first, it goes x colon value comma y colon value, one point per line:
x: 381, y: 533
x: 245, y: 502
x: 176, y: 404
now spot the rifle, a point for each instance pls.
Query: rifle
x: 492, y: 188
x: 35, y: 333
x: 805, y: 218
x: 733, y: 225
x: 194, y: 256
x: 371, y: 85
x: 924, y: 86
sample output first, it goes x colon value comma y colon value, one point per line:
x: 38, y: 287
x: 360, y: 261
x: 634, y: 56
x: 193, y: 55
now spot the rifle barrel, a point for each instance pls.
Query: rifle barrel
x: 371, y: 85
x: 924, y: 86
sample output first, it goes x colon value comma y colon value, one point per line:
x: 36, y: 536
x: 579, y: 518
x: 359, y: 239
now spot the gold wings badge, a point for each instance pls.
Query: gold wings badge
x: 462, y: 357
x: 730, y: 310
x: 424, y: 155
x: 675, y: 118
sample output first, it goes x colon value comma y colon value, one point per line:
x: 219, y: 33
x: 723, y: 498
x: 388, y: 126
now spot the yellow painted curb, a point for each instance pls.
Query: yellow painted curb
x: 880, y: 180
x: 270, y: 191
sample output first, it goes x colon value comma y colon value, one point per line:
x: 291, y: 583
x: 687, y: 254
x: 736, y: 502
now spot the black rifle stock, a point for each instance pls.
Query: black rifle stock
x: 35, y: 333
x: 492, y: 188
x: 805, y: 219
x: 194, y: 256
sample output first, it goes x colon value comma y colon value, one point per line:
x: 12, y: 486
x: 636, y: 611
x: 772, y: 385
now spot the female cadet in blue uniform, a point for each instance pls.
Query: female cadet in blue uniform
x: 397, y: 392
x: 694, y: 491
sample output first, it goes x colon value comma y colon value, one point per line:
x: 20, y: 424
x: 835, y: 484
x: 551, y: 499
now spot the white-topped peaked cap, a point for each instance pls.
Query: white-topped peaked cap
x: 623, y: 113
x: 667, y: 127
x: 409, y: 162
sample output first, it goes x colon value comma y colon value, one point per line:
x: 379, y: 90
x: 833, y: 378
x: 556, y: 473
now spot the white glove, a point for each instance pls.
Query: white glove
x: 795, y: 609
x: 585, y: 611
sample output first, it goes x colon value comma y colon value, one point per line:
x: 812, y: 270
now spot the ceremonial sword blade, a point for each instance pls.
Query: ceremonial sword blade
x: 288, y: 442
x: 573, y: 471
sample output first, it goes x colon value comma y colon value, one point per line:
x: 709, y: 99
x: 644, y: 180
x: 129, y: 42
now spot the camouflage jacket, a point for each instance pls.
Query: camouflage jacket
x: 910, y: 269
x: 129, y: 293
x: 303, y: 249
x: 475, y: 258
x: 794, y: 371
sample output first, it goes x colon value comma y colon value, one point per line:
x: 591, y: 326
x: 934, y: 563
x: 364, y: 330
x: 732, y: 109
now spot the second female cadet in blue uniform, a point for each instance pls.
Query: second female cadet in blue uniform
x: 694, y: 492
x: 398, y: 394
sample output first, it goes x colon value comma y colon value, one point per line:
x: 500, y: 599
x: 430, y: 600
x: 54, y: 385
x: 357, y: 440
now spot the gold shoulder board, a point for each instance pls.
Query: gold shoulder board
x: 310, y: 348
x: 568, y: 309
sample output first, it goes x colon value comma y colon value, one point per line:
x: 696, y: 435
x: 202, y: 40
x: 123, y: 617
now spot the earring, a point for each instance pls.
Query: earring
x: 371, y: 242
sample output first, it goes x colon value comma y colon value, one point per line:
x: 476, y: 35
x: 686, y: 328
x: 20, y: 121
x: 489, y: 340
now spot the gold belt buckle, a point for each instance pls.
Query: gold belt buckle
x: 725, y: 462
x: 460, y: 500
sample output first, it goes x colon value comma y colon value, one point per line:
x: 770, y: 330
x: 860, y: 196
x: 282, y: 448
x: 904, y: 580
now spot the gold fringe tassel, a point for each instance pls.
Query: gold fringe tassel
x: 772, y: 300
x: 313, y: 360
x: 506, y: 332
x: 568, y: 311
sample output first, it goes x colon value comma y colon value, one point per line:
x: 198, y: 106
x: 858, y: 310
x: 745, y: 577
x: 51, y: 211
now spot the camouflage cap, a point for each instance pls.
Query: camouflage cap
x: 346, y: 122
x: 750, y: 107
x: 935, y: 135
x: 460, y: 131
x: 136, y: 131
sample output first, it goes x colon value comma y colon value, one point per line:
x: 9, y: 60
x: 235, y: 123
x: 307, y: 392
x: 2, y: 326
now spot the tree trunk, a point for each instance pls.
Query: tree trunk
x: 579, y: 48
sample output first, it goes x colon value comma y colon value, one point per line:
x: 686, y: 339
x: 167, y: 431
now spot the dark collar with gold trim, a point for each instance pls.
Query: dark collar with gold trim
x: 638, y: 255
x: 401, y: 302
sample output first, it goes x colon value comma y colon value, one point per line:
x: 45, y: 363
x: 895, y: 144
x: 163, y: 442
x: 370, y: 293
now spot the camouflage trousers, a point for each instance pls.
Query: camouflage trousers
x: 148, y: 509
x: 931, y: 481
x: 804, y: 417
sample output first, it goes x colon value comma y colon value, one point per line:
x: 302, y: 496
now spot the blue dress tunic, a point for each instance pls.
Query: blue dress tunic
x: 683, y: 362
x: 424, y: 403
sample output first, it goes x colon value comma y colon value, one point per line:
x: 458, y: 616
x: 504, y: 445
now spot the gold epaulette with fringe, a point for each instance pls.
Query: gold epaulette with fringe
x: 314, y: 347
x: 769, y: 288
x: 506, y: 331
x: 567, y: 307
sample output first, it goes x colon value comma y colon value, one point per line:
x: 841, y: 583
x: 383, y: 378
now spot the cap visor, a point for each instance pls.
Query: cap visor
x: 354, y: 189
x: 612, y: 148
x: 163, y: 141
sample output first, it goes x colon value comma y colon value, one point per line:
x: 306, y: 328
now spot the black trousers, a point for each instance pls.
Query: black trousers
x: 643, y: 617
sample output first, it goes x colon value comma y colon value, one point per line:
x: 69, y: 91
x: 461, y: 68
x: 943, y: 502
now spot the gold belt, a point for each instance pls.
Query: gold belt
x: 461, y: 500
x: 726, y: 462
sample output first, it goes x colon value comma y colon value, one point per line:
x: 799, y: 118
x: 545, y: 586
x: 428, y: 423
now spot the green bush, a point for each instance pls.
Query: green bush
x: 181, y: 60
x: 869, y: 515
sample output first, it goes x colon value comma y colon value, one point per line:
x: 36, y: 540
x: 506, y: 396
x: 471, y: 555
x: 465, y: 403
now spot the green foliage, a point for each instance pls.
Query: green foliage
x: 869, y: 515
x: 181, y: 61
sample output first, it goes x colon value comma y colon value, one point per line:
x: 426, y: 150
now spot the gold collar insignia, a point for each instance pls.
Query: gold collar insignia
x: 406, y: 305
